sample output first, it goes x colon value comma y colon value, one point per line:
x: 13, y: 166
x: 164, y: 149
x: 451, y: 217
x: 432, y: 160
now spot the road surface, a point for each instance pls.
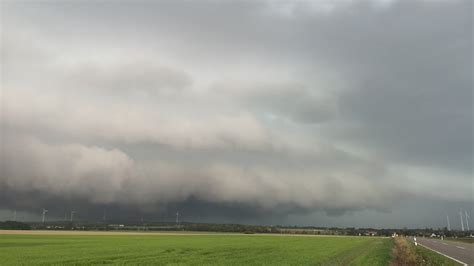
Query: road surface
x: 462, y: 252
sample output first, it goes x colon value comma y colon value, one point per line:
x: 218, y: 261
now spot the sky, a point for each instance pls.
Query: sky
x: 327, y: 113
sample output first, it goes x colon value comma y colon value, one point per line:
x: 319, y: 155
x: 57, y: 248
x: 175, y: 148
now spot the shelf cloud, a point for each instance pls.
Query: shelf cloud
x: 259, y: 107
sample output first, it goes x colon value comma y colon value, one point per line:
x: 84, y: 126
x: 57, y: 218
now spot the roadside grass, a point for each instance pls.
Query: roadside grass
x: 428, y: 257
x: 406, y: 253
x: 193, y: 250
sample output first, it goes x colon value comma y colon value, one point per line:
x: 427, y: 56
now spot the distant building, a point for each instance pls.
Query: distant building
x: 370, y: 233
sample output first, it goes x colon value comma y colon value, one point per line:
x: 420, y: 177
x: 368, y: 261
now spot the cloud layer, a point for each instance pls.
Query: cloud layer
x: 281, y: 108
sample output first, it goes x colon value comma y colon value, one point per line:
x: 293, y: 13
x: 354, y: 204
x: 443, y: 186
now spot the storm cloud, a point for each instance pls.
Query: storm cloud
x: 263, y: 107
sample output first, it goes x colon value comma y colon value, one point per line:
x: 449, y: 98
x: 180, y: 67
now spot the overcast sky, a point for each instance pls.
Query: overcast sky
x: 330, y: 113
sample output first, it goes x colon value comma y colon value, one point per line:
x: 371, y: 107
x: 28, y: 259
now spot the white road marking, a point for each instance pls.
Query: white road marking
x: 463, y: 263
x: 460, y: 247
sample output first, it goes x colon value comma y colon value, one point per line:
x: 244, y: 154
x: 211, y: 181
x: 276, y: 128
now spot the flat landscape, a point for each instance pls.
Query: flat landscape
x: 191, y: 249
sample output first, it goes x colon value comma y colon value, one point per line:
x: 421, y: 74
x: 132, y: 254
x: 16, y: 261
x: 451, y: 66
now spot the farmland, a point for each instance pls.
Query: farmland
x: 181, y: 249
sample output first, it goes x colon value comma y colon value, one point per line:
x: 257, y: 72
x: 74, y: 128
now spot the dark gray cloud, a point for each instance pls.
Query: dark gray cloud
x: 264, y: 109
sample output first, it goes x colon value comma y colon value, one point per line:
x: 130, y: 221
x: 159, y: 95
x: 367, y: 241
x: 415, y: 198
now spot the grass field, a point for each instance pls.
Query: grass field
x: 193, y: 249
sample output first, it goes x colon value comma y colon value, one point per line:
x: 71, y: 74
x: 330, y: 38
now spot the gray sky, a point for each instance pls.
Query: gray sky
x: 345, y: 113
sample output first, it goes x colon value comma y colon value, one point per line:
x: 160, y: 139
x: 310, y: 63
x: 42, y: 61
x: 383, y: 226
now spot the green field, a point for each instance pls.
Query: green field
x: 193, y: 250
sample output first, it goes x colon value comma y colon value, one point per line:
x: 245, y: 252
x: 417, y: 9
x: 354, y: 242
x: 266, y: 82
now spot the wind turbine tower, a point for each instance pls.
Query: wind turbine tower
x: 44, y: 213
x: 72, y: 215
x: 177, y: 218
x: 14, y: 215
x: 449, y: 226
x: 467, y: 222
x: 462, y: 223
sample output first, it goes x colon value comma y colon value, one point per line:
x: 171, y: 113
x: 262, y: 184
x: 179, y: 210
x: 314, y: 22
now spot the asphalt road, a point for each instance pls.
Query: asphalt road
x: 463, y: 252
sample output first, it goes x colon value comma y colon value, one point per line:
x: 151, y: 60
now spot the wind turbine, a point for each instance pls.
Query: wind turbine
x: 177, y: 218
x: 462, y: 224
x: 467, y: 222
x: 14, y: 215
x: 72, y: 215
x: 44, y: 213
x: 449, y: 226
x: 104, y: 217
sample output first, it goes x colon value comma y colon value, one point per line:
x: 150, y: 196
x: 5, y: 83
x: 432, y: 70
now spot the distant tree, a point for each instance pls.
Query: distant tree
x: 12, y: 225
